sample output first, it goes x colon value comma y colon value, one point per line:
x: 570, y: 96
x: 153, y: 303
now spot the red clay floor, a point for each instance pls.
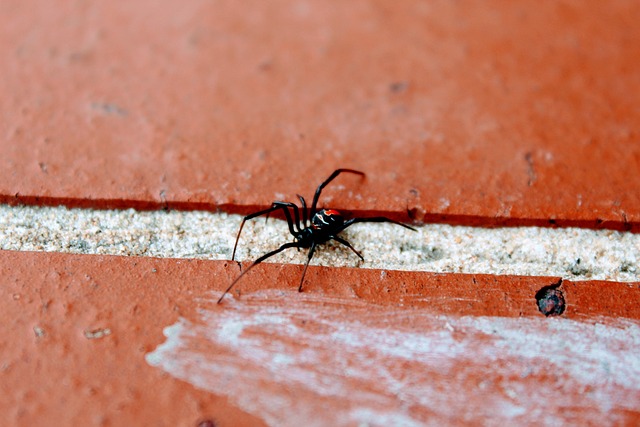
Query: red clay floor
x: 477, y: 113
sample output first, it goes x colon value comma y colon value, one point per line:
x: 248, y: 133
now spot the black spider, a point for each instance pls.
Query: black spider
x: 316, y: 228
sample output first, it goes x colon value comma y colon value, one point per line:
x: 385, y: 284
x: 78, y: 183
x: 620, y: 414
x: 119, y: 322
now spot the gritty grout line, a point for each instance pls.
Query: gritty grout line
x: 571, y: 253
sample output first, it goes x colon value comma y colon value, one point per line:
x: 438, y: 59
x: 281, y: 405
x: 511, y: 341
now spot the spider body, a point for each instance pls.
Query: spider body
x: 309, y: 228
x: 324, y: 225
x: 327, y: 219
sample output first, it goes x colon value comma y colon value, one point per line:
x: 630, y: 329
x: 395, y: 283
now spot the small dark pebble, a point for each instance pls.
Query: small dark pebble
x: 550, y: 300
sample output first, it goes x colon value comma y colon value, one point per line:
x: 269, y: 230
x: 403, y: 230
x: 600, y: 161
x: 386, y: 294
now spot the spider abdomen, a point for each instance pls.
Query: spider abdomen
x: 327, y: 218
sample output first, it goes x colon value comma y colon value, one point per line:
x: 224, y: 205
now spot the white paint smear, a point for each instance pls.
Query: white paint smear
x: 301, y: 359
x: 570, y: 253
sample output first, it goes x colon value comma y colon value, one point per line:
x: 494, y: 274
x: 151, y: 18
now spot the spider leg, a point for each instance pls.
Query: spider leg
x: 326, y: 182
x: 274, y: 207
x: 373, y: 219
x: 311, y: 251
x: 296, y: 214
x: 347, y: 244
x: 303, y: 203
x: 256, y: 262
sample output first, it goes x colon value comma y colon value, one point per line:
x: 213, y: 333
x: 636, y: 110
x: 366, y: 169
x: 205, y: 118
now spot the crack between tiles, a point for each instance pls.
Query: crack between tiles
x: 569, y: 253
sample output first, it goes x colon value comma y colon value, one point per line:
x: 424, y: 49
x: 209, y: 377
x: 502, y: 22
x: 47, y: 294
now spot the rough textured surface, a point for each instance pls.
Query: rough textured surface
x: 571, y: 253
x: 82, y: 344
x: 484, y: 113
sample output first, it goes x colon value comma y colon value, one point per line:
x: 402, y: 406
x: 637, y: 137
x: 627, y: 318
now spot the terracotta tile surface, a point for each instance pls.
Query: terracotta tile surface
x: 74, y: 333
x: 76, y: 330
x: 485, y: 113
x: 467, y: 112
